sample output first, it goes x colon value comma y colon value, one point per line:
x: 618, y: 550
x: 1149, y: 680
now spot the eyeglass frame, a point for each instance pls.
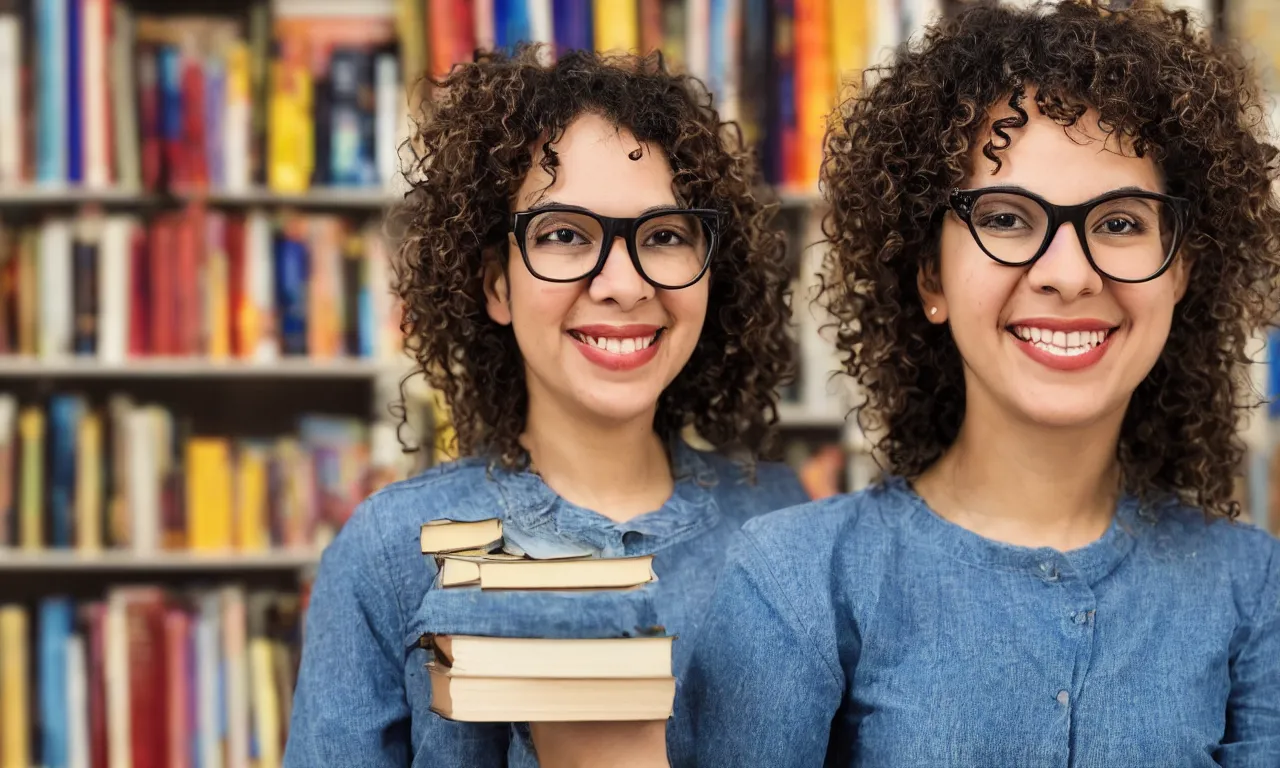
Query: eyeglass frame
x: 613, y: 227
x: 962, y: 201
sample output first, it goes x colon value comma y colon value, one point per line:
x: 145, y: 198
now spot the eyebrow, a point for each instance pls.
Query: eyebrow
x: 1020, y: 188
x: 542, y: 204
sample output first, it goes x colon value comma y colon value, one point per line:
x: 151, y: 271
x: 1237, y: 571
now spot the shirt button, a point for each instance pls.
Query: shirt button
x: 1080, y: 617
x: 1063, y: 698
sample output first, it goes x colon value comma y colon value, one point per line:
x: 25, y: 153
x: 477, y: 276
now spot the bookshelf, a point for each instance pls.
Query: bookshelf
x: 147, y: 169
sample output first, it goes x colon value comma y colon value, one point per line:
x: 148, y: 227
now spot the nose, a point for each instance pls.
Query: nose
x: 1064, y: 269
x: 618, y: 281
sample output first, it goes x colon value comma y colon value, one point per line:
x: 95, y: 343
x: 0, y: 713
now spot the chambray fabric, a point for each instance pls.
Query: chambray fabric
x: 865, y: 630
x: 363, y: 694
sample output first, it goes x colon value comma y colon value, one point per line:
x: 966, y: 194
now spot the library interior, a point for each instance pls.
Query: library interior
x: 202, y: 371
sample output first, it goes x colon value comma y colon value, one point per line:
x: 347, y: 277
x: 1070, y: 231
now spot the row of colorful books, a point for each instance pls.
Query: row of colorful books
x: 150, y: 678
x: 120, y: 475
x: 100, y: 95
x: 197, y: 282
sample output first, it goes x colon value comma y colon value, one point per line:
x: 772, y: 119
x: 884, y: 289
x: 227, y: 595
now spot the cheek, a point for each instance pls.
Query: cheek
x: 539, y: 307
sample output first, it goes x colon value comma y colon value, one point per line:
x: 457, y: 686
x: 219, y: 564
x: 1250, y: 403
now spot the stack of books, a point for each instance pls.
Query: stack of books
x: 549, y: 640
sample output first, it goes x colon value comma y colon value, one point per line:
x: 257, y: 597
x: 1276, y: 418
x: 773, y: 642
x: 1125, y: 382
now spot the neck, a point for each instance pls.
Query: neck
x: 1028, y: 485
x: 620, y: 470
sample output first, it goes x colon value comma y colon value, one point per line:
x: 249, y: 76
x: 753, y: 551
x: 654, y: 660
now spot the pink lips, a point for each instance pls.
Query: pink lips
x: 617, y: 360
x: 1094, y: 334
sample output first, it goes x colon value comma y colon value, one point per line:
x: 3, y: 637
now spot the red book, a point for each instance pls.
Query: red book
x: 148, y: 709
x: 96, y: 685
x: 161, y: 257
x: 237, y: 299
x: 139, y: 295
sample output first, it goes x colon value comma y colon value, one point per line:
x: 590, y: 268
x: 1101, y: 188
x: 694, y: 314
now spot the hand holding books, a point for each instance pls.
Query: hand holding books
x: 517, y: 639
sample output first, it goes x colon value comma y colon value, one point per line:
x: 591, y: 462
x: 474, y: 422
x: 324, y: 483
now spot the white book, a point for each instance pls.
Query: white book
x: 237, y: 120
x: 386, y: 141
x: 697, y: 14
x: 55, y: 305
x: 11, y: 52
x: 484, y: 24
x: 144, y: 481
x: 261, y: 286
x: 114, y: 265
x: 128, y: 169
x: 208, y: 663
x: 116, y: 671
x: 77, y: 703
x: 93, y: 75
x: 541, y: 30
x: 236, y: 676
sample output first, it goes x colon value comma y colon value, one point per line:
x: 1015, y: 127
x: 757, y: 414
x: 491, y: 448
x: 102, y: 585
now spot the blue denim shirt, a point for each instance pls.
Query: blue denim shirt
x: 865, y: 630
x: 362, y: 695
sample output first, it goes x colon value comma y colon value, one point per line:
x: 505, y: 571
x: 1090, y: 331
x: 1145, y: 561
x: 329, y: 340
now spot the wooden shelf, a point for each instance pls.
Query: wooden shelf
x: 799, y: 416
x: 188, y: 368
x: 351, y: 198
x: 63, y: 561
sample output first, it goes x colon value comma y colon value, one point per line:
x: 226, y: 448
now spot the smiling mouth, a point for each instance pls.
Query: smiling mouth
x: 1061, y: 343
x: 619, y: 345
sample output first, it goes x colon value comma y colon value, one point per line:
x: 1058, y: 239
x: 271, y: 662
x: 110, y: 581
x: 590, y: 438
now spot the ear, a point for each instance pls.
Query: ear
x: 1181, y: 270
x: 929, y: 284
x: 497, y: 293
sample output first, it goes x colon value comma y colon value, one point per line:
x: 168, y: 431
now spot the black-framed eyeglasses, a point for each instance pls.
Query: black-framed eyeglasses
x: 670, y: 248
x: 1129, y: 236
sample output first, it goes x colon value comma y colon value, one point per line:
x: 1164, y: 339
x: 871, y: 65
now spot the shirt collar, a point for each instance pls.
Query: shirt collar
x: 1090, y: 563
x: 544, y: 524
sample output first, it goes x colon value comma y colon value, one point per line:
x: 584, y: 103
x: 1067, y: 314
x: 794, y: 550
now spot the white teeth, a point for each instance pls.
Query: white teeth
x: 1064, y: 343
x: 616, y: 345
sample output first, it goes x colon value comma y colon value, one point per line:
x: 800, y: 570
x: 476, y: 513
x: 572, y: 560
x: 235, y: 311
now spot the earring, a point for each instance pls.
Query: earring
x: 933, y: 311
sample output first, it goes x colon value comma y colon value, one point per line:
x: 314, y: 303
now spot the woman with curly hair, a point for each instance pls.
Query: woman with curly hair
x: 587, y: 273
x: 1053, y: 233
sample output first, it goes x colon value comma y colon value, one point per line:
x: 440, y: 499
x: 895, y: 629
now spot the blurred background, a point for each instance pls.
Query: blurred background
x: 199, y: 354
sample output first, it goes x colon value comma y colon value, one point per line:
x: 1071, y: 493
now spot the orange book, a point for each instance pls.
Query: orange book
x: 251, y: 532
x: 815, y: 87
x: 88, y: 498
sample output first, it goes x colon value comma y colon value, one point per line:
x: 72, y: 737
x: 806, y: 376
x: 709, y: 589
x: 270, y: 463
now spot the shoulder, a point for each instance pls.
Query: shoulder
x: 818, y: 535
x: 1236, y: 555
x: 385, y: 526
x: 767, y: 486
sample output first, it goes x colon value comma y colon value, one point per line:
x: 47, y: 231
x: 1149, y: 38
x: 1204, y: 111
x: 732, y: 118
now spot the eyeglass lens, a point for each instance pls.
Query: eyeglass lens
x: 565, y: 245
x: 1129, y: 238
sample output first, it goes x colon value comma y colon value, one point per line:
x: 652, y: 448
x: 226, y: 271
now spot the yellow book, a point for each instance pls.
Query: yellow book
x: 616, y: 25
x: 290, y: 154
x: 15, y: 698
x: 31, y: 514
x: 208, y: 494
x: 89, y: 483
x: 251, y: 499
x: 218, y: 305
x: 851, y: 29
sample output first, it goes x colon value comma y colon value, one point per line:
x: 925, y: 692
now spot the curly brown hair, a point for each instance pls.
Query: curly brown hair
x: 472, y: 149
x: 896, y: 149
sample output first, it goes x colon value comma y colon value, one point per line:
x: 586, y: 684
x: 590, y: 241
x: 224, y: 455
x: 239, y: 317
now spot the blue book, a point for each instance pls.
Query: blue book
x: 511, y: 24
x: 571, y: 24
x: 292, y: 274
x: 56, y: 615
x: 51, y: 91
x: 64, y: 422
x: 75, y: 93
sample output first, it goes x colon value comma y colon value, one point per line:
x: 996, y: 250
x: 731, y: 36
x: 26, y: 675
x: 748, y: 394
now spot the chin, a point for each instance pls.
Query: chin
x: 620, y: 404
x: 1066, y: 413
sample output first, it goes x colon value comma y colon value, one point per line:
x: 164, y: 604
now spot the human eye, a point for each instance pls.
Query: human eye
x: 1003, y: 214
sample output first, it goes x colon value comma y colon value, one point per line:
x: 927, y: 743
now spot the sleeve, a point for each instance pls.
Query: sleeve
x: 762, y: 686
x: 350, y: 706
x: 1252, y: 737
